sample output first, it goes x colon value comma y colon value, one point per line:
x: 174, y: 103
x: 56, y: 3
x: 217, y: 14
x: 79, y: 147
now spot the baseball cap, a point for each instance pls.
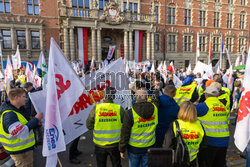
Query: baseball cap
x: 216, y: 84
x: 212, y: 90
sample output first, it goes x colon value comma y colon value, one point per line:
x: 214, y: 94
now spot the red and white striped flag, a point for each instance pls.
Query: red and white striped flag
x: 138, y: 45
x: 92, y: 64
x: 83, y: 45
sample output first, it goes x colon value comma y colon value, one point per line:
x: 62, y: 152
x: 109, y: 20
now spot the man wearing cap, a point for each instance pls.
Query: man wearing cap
x: 106, y: 121
x: 213, y: 116
x: 223, y: 96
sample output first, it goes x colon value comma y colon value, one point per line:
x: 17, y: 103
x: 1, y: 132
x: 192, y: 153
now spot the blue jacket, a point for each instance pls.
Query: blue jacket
x: 10, y: 118
x: 188, y: 80
x: 202, y: 110
x: 167, y: 113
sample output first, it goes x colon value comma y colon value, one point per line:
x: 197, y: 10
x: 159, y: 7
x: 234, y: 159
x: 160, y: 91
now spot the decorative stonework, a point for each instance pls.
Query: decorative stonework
x: 188, y: 4
x: 203, y: 5
x: 203, y: 32
x: 188, y: 31
x: 172, y: 30
x: 230, y: 34
x: 111, y: 14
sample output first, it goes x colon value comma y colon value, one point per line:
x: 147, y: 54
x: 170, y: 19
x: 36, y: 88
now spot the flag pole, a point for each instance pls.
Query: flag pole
x: 59, y: 161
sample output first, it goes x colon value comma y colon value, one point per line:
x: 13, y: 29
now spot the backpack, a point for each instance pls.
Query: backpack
x: 181, y: 153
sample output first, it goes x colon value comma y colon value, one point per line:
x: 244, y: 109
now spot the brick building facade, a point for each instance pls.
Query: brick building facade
x: 169, y: 27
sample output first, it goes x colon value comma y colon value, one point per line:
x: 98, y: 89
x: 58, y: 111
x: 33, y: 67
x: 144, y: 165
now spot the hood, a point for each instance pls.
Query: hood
x: 188, y: 80
x: 144, y: 109
x: 7, y: 106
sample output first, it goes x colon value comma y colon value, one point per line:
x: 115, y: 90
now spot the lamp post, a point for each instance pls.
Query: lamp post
x: 1, y: 55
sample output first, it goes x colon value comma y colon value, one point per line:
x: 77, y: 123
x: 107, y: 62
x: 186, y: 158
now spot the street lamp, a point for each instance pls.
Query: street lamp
x: 1, y: 54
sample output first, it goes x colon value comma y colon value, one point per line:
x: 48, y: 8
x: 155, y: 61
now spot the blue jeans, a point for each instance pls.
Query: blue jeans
x: 138, y: 160
x: 248, y: 155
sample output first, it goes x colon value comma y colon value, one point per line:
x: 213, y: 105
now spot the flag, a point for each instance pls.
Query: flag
x: 230, y: 79
x: 83, y: 45
x: 138, y: 45
x: 111, y: 52
x: 144, y: 68
x: 8, y: 75
x: 62, y: 93
x: 242, y: 54
x: 221, y: 52
x: 28, y: 73
x: 100, y: 66
x: 1, y: 75
x: 228, y: 58
x: 127, y: 68
x: 160, y: 67
x: 237, y: 62
x: 16, y: 59
x: 210, y: 49
x: 189, y: 68
x: 43, y: 67
x: 92, y: 64
x: 165, y: 72
x: 171, y: 67
x: 242, y: 130
x: 197, y: 48
x: 177, y: 81
x: 152, y: 68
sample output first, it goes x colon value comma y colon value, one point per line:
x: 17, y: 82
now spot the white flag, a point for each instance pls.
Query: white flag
x: 111, y: 52
x: 63, y: 89
x: 8, y: 71
x: 43, y: 67
x: 242, y: 130
x: 177, y: 81
x: 189, y: 68
x: 230, y: 79
x: 152, y: 68
x: 16, y: 59
x: 28, y: 73
x: 237, y: 62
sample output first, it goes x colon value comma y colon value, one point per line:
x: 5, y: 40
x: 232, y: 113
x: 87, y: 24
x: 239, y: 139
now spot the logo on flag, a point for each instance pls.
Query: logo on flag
x: 52, y: 136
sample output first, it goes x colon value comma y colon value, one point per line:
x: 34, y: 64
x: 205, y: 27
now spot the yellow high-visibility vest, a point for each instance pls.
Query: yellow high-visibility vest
x: 192, y: 134
x: 107, y: 128
x: 143, y: 130
x: 215, y: 121
x: 12, y: 143
x: 184, y: 93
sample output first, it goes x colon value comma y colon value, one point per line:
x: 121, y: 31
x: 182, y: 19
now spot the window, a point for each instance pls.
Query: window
x: 157, y: 14
x: 80, y: 3
x: 171, y: 43
x: 202, y: 18
x: 230, y: 1
x: 21, y: 39
x: 124, y: 6
x: 6, y: 39
x: 33, y: 7
x: 187, y: 43
x: 241, y: 44
x: 35, y: 39
x: 202, y: 40
x: 229, y: 20
x: 216, y: 19
x: 132, y: 7
x: 242, y: 20
x: 103, y: 3
x: 187, y: 17
x: 243, y: 2
x: 229, y: 44
x: 216, y: 0
x: 4, y: 6
x: 216, y: 44
x: 157, y: 42
x: 171, y: 15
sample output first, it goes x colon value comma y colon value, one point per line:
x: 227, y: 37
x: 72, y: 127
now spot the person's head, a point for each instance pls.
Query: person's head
x: 139, y: 84
x: 141, y: 95
x: 198, y: 75
x: 220, y: 81
x: 187, y: 112
x: 17, y: 97
x: 28, y: 86
x: 170, y: 76
x: 109, y: 93
x: 209, y: 82
x: 158, y: 84
x: 170, y: 90
x: 217, y: 85
x: 211, y: 91
x: 216, y: 76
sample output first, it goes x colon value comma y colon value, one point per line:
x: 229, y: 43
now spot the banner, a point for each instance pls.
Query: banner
x: 111, y: 52
x: 83, y: 45
x: 138, y: 45
x: 96, y: 82
x: 133, y: 65
x: 8, y: 71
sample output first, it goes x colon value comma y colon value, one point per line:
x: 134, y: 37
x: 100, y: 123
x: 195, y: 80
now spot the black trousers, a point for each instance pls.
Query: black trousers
x: 102, y: 155
x: 73, y: 148
x: 213, y: 157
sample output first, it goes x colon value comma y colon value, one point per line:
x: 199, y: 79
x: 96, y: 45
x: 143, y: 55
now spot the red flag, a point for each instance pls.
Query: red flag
x: 171, y: 67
